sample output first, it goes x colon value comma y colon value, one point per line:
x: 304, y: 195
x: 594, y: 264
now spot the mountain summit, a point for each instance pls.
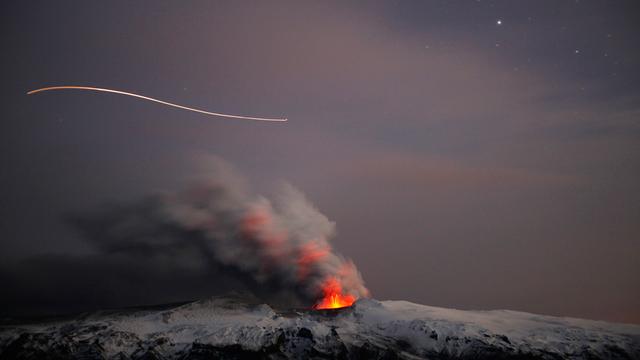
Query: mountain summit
x: 226, y: 327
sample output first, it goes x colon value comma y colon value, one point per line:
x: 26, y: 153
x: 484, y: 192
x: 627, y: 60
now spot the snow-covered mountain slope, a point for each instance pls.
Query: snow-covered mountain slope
x: 229, y: 328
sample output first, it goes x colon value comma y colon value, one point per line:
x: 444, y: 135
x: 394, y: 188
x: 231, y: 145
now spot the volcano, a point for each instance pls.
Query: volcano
x: 235, y: 328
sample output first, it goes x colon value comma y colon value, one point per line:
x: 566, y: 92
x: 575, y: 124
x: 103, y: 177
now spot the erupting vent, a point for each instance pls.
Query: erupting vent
x: 333, y: 297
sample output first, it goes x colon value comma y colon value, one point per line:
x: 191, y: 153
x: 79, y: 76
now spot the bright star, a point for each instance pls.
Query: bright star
x: 499, y: 22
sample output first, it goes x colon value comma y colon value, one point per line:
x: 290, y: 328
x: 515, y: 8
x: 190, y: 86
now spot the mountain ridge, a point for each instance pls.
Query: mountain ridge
x: 229, y: 327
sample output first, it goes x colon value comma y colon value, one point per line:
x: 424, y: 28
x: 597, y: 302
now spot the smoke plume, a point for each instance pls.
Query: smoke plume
x: 278, y: 246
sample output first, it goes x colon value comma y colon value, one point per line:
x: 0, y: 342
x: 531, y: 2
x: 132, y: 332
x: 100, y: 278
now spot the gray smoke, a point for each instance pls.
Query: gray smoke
x: 278, y: 247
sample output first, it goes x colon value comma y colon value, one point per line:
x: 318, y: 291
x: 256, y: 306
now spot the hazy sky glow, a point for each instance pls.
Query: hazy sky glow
x: 473, y: 154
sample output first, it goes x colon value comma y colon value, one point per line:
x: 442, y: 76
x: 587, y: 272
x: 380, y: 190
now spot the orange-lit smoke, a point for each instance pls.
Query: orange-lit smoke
x: 329, y: 280
x: 310, y: 253
x: 277, y: 248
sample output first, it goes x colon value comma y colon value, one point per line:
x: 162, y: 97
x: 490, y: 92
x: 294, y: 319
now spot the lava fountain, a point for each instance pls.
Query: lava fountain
x: 333, y: 296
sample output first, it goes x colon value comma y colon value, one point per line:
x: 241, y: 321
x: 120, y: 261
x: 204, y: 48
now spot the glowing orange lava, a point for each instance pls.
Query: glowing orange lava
x: 333, y: 297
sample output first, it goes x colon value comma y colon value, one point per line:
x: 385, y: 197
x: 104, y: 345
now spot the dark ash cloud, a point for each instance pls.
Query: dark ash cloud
x: 209, y: 239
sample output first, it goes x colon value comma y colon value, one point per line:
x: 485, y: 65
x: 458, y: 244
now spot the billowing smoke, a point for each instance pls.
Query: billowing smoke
x: 279, y: 246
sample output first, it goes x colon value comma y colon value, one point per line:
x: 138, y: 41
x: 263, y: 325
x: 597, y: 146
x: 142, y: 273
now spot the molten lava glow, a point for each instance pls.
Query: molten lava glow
x: 333, y: 297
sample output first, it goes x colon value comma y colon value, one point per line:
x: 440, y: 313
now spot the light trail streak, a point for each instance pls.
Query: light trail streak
x: 90, y: 88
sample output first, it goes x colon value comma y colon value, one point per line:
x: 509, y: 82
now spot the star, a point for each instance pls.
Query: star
x: 499, y: 22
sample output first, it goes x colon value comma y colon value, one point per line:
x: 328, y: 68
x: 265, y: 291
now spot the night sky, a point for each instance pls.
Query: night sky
x: 474, y: 155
